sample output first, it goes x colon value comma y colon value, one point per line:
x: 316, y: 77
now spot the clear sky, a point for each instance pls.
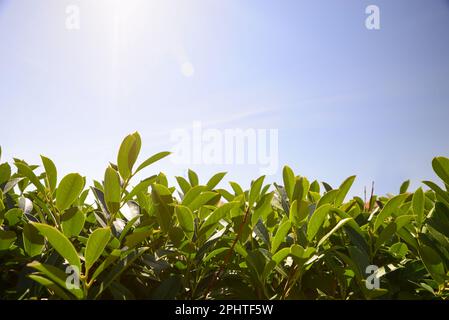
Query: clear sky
x: 345, y: 100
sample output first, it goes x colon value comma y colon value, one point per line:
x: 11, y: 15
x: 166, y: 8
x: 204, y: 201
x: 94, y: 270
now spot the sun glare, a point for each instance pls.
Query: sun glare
x: 152, y: 25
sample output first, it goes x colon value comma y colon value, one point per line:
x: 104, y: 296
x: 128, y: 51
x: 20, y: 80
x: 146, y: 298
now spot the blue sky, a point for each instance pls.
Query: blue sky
x: 346, y: 100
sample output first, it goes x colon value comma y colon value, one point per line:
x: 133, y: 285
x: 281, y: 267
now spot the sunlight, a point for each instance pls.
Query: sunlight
x: 153, y: 25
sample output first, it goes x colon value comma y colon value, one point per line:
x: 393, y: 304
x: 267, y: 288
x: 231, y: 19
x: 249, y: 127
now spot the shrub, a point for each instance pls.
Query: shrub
x: 149, y: 240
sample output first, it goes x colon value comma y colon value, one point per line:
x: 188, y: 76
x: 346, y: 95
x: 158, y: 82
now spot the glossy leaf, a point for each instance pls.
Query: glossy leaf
x: 316, y: 221
x: 56, y: 275
x: 390, y: 207
x: 254, y: 192
x: 212, y: 183
x: 162, y: 200
x: 51, y: 173
x: 7, y: 238
x: 289, y: 181
x: 441, y: 167
x: 95, y: 246
x: 68, y: 190
x: 185, y: 218
x: 433, y: 262
x: 418, y: 205
x: 112, y: 190
x: 152, y: 159
x: 60, y: 243
x: 343, y: 190
x: 72, y: 222
x: 127, y: 155
x: 281, y: 233
x: 33, y: 242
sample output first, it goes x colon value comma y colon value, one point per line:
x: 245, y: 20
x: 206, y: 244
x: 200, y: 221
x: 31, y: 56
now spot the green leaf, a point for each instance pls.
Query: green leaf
x: 2, y: 209
x: 128, y: 227
x: 343, y: 190
x: 203, y: 199
x: 183, y: 184
x: 217, y: 215
x: 408, y: 237
x: 95, y: 246
x: 49, y: 284
x: 300, y: 254
x: 5, y: 172
x: 289, y: 181
x: 236, y: 188
x: 51, y: 172
x: 254, y: 192
x: 439, y: 219
x: 111, y: 258
x: 299, y: 212
x: 152, y: 159
x: 280, y: 255
x: 168, y: 289
x: 68, y: 190
x: 391, y: 229
x: 390, y: 207
x: 60, y: 243
x: 226, y: 194
x: 128, y: 153
x: 351, y: 223
x: 328, y: 198
x: 137, y: 237
x: 185, y: 218
x: 33, y: 242
x: 262, y: 208
x: 215, y: 253
x: 26, y: 171
x: 418, y: 205
x: 315, y: 187
x: 404, y: 186
x: 327, y: 186
x: 212, y: 183
x: 192, y: 194
x: 11, y: 184
x: 433, y: 263
x: 301, y: 188
x: 176, y: 235
x: 359, y: 261
x: 193, y: 178
x: 443, y: 195
x: 13, y: 216
x: 256, y: 261
x: 340, y: 224
x: 162, y: 200
x: 281, y: 233
x: 112, y: 190
x: 441, y: 167
x: 118, y: 269
x: 72, y: 222
x: 56, y: 275
x: 261, y: 231
x: 141, y: 187
x: 316, y: 220
x: 399, y: 250
x: 7, y: 238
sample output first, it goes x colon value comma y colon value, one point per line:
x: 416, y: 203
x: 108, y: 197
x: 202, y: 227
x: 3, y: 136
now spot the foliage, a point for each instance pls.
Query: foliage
x: 149, y: 240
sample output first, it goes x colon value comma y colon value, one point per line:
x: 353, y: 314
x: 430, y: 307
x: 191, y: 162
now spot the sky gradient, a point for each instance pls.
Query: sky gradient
x: 346, y: 100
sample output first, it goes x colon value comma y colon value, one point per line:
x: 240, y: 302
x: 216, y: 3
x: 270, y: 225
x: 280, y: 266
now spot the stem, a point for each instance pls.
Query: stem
x: 228, y: 256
